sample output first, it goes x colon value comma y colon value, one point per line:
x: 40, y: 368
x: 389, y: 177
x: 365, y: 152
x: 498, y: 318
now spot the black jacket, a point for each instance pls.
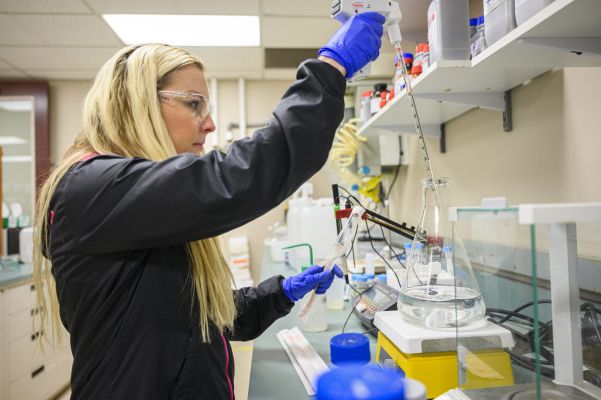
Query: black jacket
x: 117, y: 240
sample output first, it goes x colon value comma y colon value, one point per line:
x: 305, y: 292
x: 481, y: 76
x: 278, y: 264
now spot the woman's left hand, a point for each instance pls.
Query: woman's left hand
x: 295, y: 287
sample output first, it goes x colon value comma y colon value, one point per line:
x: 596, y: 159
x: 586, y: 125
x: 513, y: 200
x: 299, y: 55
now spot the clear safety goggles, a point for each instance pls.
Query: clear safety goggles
x: 197, y: 103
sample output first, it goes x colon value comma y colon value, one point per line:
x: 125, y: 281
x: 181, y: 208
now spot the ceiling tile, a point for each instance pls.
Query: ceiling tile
x: 290, y: 8
x: 69, y: 30
x: 230, y: 7
x: 44, y: 6
x: 298, y: 32
x: 229, y: 58
x: 13, y: 32
x: 57, y: 57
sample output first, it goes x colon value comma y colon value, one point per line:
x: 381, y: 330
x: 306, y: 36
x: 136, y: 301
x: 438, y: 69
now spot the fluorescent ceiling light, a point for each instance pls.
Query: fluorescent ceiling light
x: 186, y: 30
x: 16, y: 105
x: 6, y: 140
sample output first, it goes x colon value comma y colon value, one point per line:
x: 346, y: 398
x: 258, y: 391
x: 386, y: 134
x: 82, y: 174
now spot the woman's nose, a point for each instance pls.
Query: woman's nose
x: 208, y: 125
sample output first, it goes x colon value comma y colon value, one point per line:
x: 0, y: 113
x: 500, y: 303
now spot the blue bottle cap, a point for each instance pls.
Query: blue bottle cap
x: 355, y: 277
x: 473, y: 21
x: 407, y: 55
x: 368, y: 382
x: 349, y: 349
x: 366, y: 170
x: 381, y: 277
x: 481, y: 20
x: 355, y: 188
x: 408, y: 246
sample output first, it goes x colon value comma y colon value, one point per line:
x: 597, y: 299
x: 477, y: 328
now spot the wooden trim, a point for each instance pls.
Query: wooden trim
x: 41, y: 93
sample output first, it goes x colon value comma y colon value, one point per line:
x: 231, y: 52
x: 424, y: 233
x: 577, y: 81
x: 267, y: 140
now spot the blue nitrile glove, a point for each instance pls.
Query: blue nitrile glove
x: 356, y: 42
x: 314, y: 277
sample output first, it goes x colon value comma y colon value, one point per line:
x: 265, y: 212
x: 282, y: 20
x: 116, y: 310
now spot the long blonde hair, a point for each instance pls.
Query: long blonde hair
x: 121, y: 115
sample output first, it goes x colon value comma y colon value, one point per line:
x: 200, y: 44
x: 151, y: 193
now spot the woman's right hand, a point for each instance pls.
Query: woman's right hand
x: 356, y: 42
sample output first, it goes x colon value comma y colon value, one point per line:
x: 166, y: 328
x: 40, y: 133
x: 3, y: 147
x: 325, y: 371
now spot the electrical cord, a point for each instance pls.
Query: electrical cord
x: 522, y: 307
x: 396, y: 175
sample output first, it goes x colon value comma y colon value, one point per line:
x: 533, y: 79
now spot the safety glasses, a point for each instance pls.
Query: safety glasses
x: 197, y: 103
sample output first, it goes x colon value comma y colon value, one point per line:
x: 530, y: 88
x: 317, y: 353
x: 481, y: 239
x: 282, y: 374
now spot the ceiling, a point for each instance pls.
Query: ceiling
x: 68, y: 39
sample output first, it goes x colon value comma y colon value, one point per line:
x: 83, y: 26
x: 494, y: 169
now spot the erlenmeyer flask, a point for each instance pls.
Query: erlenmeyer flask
x: 439, y: 290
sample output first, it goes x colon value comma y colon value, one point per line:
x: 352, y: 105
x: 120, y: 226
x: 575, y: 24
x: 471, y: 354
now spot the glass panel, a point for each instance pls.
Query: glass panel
x: 497, y: 357
x: 589, y: 278
x: 17, y: 142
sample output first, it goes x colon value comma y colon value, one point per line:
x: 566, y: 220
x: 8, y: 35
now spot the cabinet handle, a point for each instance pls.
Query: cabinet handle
x: 37, y: 372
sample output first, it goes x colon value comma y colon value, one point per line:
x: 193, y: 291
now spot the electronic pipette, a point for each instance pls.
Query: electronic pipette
x: 343, y: 10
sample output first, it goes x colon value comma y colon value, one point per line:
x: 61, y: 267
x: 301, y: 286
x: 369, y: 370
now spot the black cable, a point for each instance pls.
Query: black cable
x: 396, y: 175
x: 529, y: 304
x: 354, y: 305
x: 383, y: 258
x: 513, y: 314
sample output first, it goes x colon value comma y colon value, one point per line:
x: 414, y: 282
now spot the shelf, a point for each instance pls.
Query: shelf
x: 567, y: 33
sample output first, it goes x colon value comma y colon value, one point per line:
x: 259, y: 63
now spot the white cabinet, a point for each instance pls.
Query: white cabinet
x: 26, y: 371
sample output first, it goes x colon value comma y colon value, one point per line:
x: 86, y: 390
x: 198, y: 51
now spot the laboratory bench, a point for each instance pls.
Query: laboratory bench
x: 272, y: 375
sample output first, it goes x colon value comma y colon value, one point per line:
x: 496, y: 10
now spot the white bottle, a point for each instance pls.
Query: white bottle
x: 315, y: 320
x: 335, y: 294
x: 370, y: 268
x: 478, y: 44
x: 448, y: 30
x: 499, y: 16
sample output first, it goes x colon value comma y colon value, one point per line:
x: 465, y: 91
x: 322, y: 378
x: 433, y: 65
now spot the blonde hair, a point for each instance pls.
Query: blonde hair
x: 121, y: 115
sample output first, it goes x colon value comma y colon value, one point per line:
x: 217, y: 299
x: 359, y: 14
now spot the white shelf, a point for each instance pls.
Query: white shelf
x: 448, y: 89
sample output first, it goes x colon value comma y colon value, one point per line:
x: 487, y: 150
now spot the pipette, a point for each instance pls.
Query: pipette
x: 344, y: 243
x: 344, y: 9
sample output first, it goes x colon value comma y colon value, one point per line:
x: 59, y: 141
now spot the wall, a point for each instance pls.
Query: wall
x: 550, y: 156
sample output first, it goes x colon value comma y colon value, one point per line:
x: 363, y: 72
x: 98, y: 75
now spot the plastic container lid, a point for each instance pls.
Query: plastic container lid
x: 408, y: 246
x: 473, y: 21
x: 369, y: 276
x: 359, y: 278
x: 382, y: 277
x: 368, y: 382
x: 349, y: 349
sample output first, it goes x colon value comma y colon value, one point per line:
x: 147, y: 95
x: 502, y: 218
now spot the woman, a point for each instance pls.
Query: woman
x: 128, y: 219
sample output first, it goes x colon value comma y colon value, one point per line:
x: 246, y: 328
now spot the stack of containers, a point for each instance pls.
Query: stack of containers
x: 500, y: 19
x: 448, y: 30
x: 239, y: 262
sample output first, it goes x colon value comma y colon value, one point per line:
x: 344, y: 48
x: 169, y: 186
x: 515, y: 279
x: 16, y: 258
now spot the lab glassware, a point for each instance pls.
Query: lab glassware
x: 436, y: 293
